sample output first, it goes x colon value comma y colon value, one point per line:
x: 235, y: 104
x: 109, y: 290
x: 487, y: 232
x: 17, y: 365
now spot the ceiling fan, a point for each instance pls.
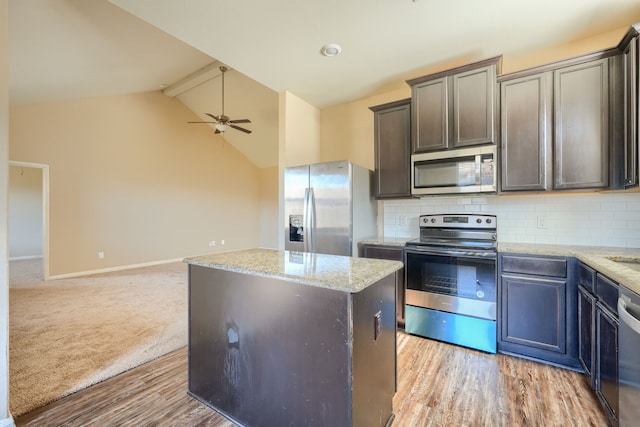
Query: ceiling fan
x: 222, y: 122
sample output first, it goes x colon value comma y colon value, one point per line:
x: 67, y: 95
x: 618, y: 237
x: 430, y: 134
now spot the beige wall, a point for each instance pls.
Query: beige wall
x: 347, y: 130
x: 129, y: 177
x: 526, y: 60
x: 300, y: 137
x: 25, y: 212
x: 4, y: 190
x: 268, y: 209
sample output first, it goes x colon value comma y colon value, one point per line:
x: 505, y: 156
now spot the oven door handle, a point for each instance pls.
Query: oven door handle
x: 460, y: 254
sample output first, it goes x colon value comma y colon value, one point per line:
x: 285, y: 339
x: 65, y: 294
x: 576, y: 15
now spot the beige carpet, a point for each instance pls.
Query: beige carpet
x: 67, y: 334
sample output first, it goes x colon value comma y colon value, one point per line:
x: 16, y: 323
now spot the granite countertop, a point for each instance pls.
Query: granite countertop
x: 601, y: 259
x: 387, y: 241
x: 341, y: 273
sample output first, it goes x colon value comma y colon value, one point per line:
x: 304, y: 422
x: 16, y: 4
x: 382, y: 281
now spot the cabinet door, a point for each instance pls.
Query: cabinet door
x: 586, y: 328
x: 631, y: 113
x: 533, y: 312
x: 607, y: 359
x: 392, y: 151
x: 473, y: 106
x: 581, y: 115
x: 526, y: 132
x: 430, y: 117
x: 394, y: 254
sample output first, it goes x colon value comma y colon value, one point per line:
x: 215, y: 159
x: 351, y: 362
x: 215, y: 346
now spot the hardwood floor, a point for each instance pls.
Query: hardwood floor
x: 438, y: 385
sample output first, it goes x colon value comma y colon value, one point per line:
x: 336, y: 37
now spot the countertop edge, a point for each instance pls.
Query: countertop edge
x: 600, y: 259
x: 350, y: 274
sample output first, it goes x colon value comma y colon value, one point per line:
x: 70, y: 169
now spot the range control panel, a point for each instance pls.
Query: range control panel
x: 458, y: 221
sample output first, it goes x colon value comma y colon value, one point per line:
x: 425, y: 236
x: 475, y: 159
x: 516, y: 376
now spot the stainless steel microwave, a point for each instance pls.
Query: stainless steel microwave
x: 467, y: 170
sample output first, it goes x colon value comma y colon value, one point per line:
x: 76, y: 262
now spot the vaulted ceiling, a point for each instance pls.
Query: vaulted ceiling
x: 65, y: 49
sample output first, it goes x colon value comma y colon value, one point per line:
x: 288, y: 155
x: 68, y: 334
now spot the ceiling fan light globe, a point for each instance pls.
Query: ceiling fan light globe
x: 220, y: 127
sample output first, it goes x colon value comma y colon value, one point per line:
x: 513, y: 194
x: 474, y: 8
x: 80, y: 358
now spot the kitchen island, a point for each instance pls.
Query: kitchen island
x: 291, y: 338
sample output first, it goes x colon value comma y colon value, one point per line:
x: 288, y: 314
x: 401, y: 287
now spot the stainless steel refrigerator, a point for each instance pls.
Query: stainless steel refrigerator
x: 328, y: 208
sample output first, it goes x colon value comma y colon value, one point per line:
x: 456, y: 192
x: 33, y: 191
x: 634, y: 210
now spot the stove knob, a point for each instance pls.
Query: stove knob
x: 433, y: 220
x: 478, y: 220
x: 488, y: 220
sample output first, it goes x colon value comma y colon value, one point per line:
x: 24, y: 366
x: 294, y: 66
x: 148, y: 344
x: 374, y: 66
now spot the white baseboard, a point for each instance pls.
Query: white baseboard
x: 110, y: 269
x: 20, y: 258
x: 7, y: 422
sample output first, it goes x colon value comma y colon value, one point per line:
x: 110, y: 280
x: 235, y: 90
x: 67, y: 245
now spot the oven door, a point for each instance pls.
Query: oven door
x: 455, y: 283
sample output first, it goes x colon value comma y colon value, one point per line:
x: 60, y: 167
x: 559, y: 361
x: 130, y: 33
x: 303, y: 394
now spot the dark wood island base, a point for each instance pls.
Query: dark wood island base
x: 271, y: 349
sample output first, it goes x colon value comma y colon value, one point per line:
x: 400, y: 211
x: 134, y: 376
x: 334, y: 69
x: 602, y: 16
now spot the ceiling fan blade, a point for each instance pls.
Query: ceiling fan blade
x: 241, y: 129
x: 222, y: 121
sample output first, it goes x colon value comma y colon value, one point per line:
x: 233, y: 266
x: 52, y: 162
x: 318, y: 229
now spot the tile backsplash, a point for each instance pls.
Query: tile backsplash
x: 593, y: 219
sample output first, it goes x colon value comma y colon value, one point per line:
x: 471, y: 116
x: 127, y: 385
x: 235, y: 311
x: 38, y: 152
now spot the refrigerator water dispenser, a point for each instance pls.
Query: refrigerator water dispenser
x: 296, y: 232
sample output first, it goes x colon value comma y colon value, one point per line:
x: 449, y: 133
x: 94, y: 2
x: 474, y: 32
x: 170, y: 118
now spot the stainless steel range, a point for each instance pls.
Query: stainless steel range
x: 451, y: 280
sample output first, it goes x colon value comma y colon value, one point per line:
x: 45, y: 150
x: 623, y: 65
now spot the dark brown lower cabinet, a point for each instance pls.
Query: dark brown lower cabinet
x: 598, y: 332
x: 393, y: 253
x: 607, y: 359
x: 586, y: 328
x: 538, y: 309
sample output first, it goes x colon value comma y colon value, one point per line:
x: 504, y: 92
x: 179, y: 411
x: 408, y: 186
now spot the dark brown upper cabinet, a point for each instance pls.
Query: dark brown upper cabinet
x: 392, y: 133
x: 581, y: 126
x: 454, y: 108
x: 561, y: 125
x: 630, y: 46
x: 525, y: 128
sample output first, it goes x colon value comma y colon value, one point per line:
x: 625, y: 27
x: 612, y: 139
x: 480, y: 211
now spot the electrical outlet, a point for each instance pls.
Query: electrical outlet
x: 100, y: 255
x: 222, y: 242
x: 542, y: 222
x: 212, y: 243
x: 403, y: 220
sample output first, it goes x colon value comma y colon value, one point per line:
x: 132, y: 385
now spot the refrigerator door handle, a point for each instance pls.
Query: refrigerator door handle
x: 305, y: 221
x: 309, y: 220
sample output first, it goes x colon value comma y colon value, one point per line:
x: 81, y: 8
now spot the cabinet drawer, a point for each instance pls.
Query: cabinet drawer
x: 383, y: 252
x: 539, y: 266
x: 607, y: 293
x: 587, y: 278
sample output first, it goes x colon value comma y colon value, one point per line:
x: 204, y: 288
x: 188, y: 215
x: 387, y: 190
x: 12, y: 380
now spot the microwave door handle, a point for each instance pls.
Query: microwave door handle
x: 478, y: 169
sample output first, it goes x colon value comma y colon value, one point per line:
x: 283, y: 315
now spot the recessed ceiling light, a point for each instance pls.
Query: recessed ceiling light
x: 331, y: 49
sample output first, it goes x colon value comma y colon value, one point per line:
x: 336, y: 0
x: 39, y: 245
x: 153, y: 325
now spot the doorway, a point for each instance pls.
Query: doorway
x: 28, y: 218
